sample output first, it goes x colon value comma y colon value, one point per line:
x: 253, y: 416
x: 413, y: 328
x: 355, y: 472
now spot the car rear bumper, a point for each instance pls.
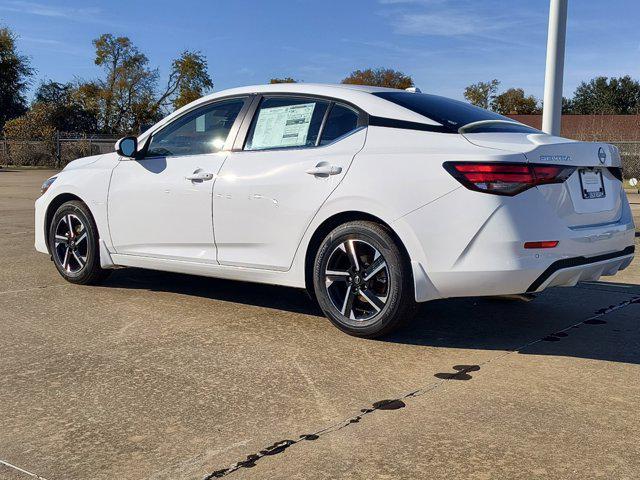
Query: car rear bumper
x: 470, y: 244
x: 570, y: 271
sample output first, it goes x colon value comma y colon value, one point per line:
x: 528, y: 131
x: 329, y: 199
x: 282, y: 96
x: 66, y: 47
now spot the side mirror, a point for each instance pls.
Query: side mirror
x: 127, y: 147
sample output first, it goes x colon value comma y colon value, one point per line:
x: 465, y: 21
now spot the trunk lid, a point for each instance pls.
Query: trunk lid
x: 591, y: 196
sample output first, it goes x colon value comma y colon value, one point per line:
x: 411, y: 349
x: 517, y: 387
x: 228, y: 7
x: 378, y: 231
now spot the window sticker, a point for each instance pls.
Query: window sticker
x: 200, y: 125
x: 279, y: 127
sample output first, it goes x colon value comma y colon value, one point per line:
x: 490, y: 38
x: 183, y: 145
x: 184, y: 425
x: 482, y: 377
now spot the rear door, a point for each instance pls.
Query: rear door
x: 297, y: 150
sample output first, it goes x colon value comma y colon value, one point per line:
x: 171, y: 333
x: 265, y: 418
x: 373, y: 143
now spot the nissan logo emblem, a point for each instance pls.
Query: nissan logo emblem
x: 602, y: 156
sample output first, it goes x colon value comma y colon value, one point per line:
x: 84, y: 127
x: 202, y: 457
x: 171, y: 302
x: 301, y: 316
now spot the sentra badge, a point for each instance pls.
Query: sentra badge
x: 555, y: 158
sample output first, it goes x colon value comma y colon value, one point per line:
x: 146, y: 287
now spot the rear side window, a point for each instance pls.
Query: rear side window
x: 341, y: 120
x: 452, y: 114
x: 286, y: 122
x: 202, y: 131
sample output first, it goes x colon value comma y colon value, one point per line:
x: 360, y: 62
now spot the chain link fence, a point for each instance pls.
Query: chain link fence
x: 64, y: 148
x: 55, y: 152
x: 630, y: 154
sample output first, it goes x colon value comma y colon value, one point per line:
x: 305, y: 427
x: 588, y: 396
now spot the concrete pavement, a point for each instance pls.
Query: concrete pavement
x: 163, y: 376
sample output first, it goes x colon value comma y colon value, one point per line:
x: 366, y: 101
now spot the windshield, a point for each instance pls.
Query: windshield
x: 453, y: 114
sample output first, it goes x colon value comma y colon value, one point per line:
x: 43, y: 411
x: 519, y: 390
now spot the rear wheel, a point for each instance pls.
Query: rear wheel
x: 73, y: 243
x: 362, y: 280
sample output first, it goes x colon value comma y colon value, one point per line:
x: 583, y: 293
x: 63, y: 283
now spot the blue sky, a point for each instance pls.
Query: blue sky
x: 443, y: 44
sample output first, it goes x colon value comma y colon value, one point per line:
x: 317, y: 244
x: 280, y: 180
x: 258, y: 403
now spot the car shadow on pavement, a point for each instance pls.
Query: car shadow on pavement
x: 596, y: 321
x: 266, y: 296
x: 548, y: 325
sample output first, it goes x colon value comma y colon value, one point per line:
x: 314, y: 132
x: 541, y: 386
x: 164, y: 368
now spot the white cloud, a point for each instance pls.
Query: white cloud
x: 42, y: 10
x: 44, y: 41
x: 448, y: 24
x: 58, y: 46
x: 454, y: 19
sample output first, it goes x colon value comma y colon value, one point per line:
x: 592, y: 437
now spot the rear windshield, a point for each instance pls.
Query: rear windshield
x: 452, y: 114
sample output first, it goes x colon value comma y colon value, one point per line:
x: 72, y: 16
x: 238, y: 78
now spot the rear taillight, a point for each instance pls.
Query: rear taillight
x: 506, y: 178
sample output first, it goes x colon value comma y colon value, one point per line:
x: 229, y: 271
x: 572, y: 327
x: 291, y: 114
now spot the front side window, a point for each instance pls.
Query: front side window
x: 453, y: 114
x: 285, y: 122
x: 340, y: 121
x: 202, y: 131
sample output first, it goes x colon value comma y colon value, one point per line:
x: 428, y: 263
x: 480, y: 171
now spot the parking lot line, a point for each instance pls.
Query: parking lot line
x: 34, y: 475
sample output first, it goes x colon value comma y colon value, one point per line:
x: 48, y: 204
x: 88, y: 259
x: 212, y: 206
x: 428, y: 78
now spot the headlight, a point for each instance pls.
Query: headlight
x: 47, y: 183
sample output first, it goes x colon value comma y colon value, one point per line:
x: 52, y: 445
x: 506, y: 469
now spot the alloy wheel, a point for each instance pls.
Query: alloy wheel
x: 357, y: 280
x: 71, y: 244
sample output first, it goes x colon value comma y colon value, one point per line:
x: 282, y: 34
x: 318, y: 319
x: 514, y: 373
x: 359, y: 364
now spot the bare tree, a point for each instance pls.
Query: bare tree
x: 187, y: 81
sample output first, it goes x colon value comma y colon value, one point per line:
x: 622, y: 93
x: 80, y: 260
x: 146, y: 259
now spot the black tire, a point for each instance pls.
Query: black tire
x: 78, y: 258
x: 381, y: 303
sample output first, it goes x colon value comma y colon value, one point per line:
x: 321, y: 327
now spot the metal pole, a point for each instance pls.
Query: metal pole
x: 552, y: 110
x: 58, y: 151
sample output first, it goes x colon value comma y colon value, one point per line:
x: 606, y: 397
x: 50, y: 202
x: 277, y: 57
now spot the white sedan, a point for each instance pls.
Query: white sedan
x: 372, y: 199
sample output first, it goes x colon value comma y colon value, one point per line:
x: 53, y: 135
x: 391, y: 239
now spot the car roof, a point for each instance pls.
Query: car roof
x: 309, y: 88
x: 359, y: 95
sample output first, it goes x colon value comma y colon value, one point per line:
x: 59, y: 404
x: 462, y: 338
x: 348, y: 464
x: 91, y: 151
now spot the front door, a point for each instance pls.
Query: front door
x: 161, y: 205
x: 296, y: 152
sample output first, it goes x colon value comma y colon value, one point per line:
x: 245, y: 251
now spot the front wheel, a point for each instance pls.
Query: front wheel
x: 73, y: 243
x: 362, y: 280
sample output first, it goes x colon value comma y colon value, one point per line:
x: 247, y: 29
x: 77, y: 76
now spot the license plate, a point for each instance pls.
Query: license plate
x: 591, y: 183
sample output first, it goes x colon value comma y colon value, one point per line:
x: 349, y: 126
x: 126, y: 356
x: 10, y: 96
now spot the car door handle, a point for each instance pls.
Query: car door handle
x: 199, y: 176
x: 324, y: 169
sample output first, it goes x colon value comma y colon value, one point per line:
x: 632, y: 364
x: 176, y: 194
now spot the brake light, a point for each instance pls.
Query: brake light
x: 506, y: 178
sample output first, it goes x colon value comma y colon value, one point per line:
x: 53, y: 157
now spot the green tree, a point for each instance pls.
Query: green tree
x: 35, y: 124
x: 601, y: 96
x: 53, y: 93
x: 481, y: 94
x: 379, y: 77
x: 567, y: 106
x: 515, y: 102
x: 274, y: 81
x: 66, y: 114
x: 15, y: 71
x: 127, y: 97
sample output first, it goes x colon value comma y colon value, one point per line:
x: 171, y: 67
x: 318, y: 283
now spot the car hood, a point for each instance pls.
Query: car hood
x: 86, y: 161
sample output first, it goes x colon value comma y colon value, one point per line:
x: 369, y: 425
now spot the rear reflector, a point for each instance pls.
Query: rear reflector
x: 545, y: 244
x: 506, y: 178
